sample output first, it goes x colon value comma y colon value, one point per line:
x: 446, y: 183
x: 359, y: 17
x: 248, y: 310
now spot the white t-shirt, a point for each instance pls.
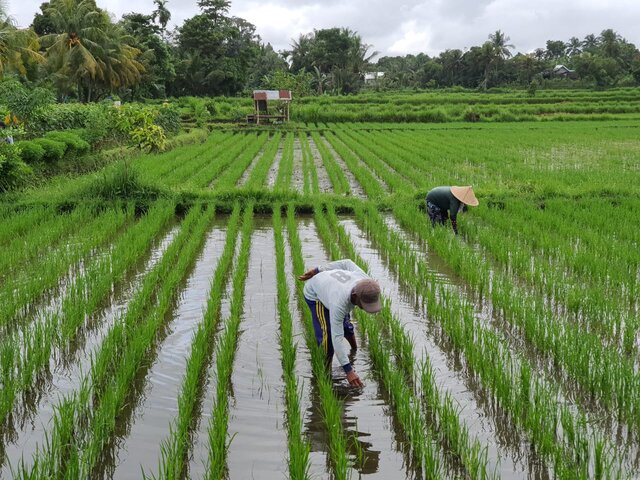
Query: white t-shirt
x: 332, y: 287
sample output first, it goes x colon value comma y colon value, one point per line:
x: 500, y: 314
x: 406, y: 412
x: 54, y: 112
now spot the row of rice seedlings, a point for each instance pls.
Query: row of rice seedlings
x: 181, y: 163
x: 214, y: 166
x: 258, y: 176
x: 19, y: 293
x: 596, y: 290
x: 285, y: 169
x: 336, y: 175
x: 175, y: 449
x: 298, y: 445
x: 533, y: 404
x: 402, y: 150
x: 309, y: 171
x: 15, y: 224
x: 580, y: 247
x: 200, y: 156
x: 27, y: 353
x: 398, y: 373
x: 140, y: 350
x: 406, y: 405
x: 605, y: 376
x: 85, y: 419
x: 40, y: 239
x: 225, y: 353
x: 230, y: 176
x: 153, y: 166
x: 363, y: 175
x: 330, y: 406
x: 394, y: 181
x: 394, y: 165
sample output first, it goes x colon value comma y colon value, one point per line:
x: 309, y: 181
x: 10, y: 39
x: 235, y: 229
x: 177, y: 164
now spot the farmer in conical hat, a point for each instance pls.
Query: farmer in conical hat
x: 331, y: 292
x: 445, y: 202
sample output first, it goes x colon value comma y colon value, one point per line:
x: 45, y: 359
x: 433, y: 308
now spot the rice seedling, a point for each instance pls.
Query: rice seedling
x: 285, y: 169
x: 338, y: 178
x: 103, y: 389
x: 33, y: 347
x: 258, y: 175
x: 225, y: 350
x: 175, y: 449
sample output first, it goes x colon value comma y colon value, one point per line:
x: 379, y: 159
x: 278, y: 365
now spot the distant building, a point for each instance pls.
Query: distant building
x: 562, y: 71
x: 372, y: 77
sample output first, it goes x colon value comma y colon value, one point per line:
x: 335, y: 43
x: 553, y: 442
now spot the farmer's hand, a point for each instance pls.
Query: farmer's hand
x: 308, y: 274
x: 354, y: 379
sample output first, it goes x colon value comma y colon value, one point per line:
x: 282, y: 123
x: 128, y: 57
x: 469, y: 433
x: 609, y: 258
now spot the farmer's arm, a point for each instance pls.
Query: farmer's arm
x: 454, y: 207
x: 336, y: 315
x: 345, y: 264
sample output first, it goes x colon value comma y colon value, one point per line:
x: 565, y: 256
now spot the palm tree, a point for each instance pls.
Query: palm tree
x: 493, y: 51
x: 610, y: 43
x: 71, y: 51
x: 590, y: 42
x: 499, y: 43
x: 574, y: 46
x: 161, y: 13
x: 16, y: 45
x: 87, y: 50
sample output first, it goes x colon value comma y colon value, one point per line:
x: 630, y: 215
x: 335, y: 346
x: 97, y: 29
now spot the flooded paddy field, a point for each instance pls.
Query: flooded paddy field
x: 174, y: 341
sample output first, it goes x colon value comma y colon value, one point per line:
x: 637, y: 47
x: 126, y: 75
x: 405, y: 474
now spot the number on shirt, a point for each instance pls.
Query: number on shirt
x: 341, y: 276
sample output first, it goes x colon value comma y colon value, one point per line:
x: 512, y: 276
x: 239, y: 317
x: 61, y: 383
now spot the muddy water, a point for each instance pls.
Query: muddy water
x: 164, y: 380
x: 257, y: 407
x: 272, y: 176
x: 298, y: 174
x: 200, y: 440
x: 367, y: 420
x: 35, y: 419
x: 413, y: 317
x: 324, y: 183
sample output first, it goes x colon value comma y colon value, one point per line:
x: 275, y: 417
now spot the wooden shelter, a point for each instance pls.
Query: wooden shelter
x: 266, y: 112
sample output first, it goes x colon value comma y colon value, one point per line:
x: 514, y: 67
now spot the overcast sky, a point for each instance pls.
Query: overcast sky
x: 401, y: 27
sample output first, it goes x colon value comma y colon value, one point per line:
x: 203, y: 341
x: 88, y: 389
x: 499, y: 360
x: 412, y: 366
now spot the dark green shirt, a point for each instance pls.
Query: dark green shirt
x: 442, y: 198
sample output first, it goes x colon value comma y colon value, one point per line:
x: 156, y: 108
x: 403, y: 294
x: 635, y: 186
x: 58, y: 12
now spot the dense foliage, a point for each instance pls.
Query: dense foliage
x: 75, y: 50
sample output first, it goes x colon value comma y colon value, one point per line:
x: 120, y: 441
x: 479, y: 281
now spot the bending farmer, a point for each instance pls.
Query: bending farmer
x: 331, y: 292
x: 443, y: 202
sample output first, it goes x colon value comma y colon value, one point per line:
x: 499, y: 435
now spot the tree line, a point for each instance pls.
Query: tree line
x: 75, y: 49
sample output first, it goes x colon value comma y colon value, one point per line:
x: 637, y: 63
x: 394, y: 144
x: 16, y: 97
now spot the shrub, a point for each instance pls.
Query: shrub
x: 150, y: 138
x: 169, y: 119
x: 31, y: 152
x: 121, y: 182
x: 471, y: 115
x: 75, y: 145
x: 13, y: 171
x: 53, y: 149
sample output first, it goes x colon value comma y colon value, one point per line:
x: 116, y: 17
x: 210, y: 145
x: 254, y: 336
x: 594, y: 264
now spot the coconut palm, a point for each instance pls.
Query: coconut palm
x: 574, y: 47
x: 87, y: 50
x: 610, y: 43
x: 161, y: 13
x: 16, y: 45
x: 590, y: 42
x: 499, y: 43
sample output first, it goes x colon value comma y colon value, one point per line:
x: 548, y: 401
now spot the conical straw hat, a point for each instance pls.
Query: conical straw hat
x: 465, y: 195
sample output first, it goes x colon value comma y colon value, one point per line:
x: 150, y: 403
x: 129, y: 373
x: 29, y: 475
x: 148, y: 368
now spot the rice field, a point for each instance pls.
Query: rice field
x: 170, y: 338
